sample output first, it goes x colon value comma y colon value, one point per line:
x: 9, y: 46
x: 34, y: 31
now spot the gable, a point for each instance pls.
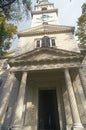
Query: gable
x: 46, y: 29
x: 45, y: 55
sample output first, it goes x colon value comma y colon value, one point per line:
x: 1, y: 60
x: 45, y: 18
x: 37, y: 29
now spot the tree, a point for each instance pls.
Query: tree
x: 15, y: 9
x: 7, y: 31
x: 81, y: 26
x: 11, y: 10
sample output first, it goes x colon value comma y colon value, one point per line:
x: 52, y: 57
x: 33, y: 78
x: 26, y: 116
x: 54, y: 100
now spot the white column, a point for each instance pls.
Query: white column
x: 82, y: 80
x: 17, y: 123
x: 5, y: 97
x: 81, y: 92
x: 75, y: 114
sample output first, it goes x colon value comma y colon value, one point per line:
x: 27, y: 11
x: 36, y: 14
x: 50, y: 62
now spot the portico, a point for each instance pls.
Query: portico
x: 33, y: 83
x: 47, y: 76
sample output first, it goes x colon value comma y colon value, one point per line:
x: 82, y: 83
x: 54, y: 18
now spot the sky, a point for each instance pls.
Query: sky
x: 68, y: 13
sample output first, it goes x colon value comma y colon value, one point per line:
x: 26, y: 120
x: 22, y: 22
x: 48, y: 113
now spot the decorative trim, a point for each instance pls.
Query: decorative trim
x: 46, y: 67
x: 47, y: 11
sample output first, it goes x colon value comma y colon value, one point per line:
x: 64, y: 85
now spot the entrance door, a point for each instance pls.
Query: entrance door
x: 48, y: 111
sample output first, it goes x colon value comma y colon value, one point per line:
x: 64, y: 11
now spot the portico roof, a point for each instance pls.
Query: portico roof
x: 46, y: 57
x: 46, y: 29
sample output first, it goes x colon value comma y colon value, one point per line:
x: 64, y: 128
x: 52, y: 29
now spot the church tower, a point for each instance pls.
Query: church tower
x: 44, y: 87
x: 44, y: 13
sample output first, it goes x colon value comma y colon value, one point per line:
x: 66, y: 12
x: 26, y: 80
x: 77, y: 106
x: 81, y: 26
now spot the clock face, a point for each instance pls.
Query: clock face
x: 44, y: 17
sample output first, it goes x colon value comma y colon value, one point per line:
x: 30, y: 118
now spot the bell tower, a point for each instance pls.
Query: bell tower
x: 44, y: 13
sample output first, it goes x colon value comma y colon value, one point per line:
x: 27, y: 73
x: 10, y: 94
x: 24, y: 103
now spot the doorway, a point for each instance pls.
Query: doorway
x: 48, y: 118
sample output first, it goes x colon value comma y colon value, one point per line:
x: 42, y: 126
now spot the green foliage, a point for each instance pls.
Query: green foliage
x: 15, y: 9
x: 7, y: 31
x: 11, y: 10
x: 81, y: 29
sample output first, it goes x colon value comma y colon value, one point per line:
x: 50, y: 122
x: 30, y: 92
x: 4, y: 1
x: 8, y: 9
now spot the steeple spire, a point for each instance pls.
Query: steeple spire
x: 42, y: 1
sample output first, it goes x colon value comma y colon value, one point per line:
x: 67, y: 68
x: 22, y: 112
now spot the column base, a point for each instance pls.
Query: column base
x: 15, y: 128
x: 78, y: 127
x: 0, y: 128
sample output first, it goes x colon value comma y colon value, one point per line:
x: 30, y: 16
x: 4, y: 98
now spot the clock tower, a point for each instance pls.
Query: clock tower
x: 44, y: 13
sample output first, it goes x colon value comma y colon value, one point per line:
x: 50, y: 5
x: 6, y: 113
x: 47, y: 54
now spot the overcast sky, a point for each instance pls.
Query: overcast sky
x: 68, y: 13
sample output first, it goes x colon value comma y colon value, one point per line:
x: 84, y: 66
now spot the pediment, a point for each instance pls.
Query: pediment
x: 45, y: 29
x: 45, y: 55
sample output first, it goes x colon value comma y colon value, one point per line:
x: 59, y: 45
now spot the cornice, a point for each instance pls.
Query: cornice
x: 46, y: 29
x: 58, y: 56
x: 45, y: 32
x: 47, y: 11
x: 45, y: 67
x: 53, y: 50
x: 43, y: 4
x: 8, y: 55
x: 62, y: 60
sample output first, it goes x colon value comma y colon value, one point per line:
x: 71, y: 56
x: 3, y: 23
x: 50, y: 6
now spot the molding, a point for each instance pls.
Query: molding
x: 46, y: 29
x: 47, y: 11
x: 43, y: 4
x: 48, y: 51
x: 46, y: 67
x: 62, y: 60
x: 45, y: 32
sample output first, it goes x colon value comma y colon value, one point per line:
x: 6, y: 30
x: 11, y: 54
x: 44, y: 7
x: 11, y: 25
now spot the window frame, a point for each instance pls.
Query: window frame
x: 52, y: 42
x: 45, y: 46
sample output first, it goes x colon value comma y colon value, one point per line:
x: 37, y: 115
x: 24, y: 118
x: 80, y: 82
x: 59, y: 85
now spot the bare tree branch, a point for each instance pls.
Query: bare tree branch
x: 4, y: 4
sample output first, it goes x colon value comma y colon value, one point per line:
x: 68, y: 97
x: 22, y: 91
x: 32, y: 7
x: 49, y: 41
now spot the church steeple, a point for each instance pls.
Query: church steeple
x: 44, y: 12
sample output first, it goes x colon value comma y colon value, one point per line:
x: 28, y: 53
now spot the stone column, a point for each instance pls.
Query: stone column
x: 82, y: 78
x: 5, y: 97
x: 79, y: 85
x: 17, y: 123
x: 74, y: 110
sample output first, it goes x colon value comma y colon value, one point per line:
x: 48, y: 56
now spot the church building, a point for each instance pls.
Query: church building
x: 43, y: 81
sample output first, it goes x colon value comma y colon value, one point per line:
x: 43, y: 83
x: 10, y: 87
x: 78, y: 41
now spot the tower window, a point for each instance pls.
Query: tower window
x: 53, y: 42
x: 45, y: 41
x: 38, y: 44
x: 44, y: 9
x: 45, y: 23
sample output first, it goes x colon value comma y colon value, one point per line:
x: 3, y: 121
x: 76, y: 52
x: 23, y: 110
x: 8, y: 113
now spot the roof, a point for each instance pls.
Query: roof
x: 46, y: 29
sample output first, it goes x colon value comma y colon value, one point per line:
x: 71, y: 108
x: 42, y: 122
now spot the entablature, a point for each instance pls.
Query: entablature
x: 45, y: 67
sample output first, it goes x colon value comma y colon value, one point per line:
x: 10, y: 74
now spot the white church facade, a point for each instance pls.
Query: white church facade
x: 43, y: 82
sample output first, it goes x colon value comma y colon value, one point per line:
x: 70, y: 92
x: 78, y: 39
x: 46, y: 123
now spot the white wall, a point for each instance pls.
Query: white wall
x: 53, y: 19
x: 64, y: 41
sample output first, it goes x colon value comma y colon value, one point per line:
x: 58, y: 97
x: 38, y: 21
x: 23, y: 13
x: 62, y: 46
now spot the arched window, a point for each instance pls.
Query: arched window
x: 44, y: 9
x: 45, y: 41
